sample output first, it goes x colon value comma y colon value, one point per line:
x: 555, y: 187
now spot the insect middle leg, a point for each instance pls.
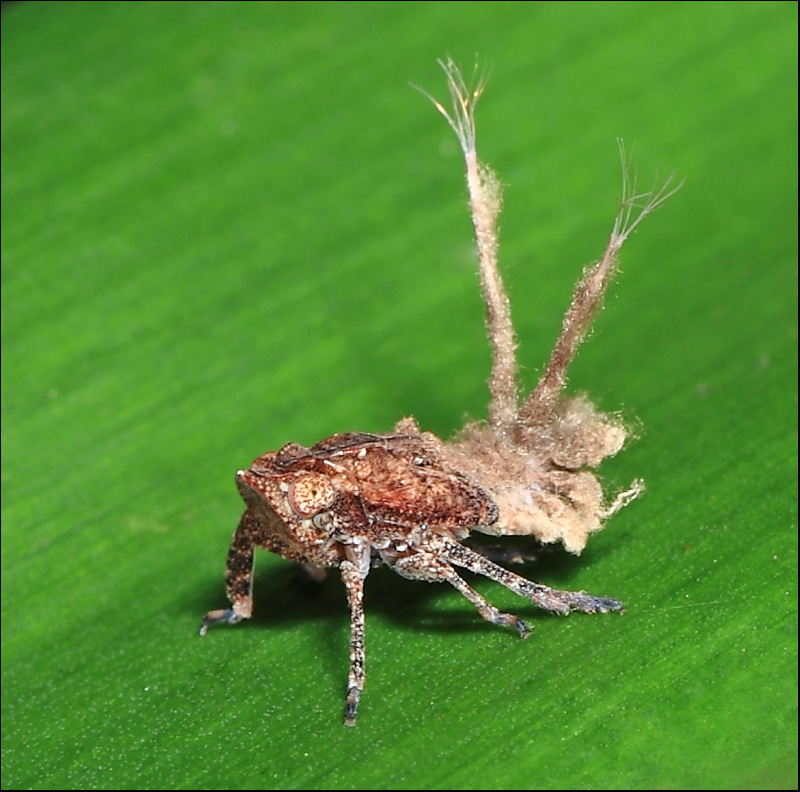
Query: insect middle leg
x: 423, y: 566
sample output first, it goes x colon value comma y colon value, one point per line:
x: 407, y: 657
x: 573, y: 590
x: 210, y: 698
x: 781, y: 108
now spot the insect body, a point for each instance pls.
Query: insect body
x: 408, y: 499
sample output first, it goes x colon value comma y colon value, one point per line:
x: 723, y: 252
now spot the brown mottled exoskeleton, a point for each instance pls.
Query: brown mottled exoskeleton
x: 409, y: 500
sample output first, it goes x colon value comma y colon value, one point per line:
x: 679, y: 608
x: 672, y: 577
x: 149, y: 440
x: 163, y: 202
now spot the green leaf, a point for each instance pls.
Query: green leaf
x: 230, y: 225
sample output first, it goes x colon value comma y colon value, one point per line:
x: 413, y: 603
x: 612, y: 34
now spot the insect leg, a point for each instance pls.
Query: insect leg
x: 485, y: 608
x: 424, y: 566
x: 354, y: 570
x: 545, y: 597
x: 238, y: 576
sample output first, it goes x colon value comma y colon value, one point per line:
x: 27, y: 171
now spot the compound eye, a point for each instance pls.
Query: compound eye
x: 311, y: 493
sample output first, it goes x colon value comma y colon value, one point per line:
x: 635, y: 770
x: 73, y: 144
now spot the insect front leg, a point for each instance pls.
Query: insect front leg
x: 238, y: 575
x: 547, y: 598
x: 354, y: 570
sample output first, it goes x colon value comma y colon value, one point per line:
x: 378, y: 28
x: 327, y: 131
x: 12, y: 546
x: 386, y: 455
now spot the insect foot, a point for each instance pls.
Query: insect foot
x: 408, y: 500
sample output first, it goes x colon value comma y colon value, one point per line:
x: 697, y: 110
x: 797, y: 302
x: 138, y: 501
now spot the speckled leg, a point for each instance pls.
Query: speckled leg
x: 238, y: 576
x: 545, y: 597
x: 425, y: 566
x: 354, y: 570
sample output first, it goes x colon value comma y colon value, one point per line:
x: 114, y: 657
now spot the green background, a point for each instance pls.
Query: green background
x: 230, y: 225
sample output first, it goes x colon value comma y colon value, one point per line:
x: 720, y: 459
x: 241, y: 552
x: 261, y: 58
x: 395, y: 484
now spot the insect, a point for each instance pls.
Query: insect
x: 409, y: 499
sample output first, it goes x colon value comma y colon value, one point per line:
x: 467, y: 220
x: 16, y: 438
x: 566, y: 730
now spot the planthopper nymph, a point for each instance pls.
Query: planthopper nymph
x: 409, y: 500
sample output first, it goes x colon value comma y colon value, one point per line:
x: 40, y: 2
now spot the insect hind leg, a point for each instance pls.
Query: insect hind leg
x: 549, y: 599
